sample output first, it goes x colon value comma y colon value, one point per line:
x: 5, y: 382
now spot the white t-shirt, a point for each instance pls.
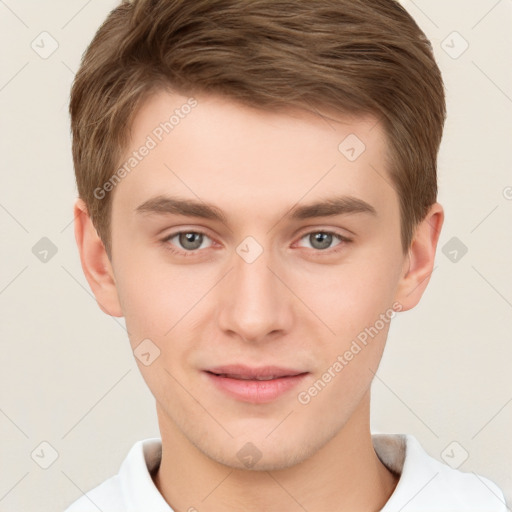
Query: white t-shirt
x: 425, y: 484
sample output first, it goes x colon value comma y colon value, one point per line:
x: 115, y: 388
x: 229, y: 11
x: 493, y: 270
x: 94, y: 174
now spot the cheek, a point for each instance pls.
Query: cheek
x: 347, y: 297
x: 158, y: 300
x: 347, y: 374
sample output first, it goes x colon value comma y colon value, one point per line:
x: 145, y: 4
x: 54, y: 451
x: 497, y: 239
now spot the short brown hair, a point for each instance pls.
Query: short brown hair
x: 349, y: 56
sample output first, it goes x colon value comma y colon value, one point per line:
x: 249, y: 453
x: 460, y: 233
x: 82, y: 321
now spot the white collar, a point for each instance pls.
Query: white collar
x: 425, y: 484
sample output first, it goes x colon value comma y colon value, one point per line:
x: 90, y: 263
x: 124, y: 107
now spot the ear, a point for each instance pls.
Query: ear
x: 419, y: 264
x: 95, y: 262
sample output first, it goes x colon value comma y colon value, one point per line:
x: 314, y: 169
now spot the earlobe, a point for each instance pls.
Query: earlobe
x: 95, y: 262
x: 419, y: 264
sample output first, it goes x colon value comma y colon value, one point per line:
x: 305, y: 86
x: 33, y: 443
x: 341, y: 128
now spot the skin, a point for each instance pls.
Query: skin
x: 296, y: 305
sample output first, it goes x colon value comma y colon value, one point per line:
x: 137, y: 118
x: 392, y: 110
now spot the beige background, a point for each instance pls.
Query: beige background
x: 68, y: 377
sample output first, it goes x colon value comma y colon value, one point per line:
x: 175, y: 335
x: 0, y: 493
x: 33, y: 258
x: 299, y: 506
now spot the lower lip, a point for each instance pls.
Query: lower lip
x: 255, y: 391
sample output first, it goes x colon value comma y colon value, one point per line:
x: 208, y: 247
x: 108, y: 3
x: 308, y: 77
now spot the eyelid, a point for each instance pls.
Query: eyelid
x: 330, y: 231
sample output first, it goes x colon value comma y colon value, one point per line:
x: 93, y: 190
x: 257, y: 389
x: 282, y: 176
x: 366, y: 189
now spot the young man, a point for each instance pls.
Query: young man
x: 257, y: 184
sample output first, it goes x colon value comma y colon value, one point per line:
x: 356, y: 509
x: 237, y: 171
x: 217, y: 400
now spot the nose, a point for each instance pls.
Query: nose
x: 254, y: 303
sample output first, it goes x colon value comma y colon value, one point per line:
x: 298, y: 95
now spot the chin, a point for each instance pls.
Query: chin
x: 260, y: 454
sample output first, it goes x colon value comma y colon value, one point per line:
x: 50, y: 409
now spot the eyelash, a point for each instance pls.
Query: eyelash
x: 319, y: 252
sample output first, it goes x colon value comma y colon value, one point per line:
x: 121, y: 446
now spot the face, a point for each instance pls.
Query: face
x: 246, y: 246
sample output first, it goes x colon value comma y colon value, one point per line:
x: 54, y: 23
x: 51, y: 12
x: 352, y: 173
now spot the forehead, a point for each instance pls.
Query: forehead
x: 241, y: 158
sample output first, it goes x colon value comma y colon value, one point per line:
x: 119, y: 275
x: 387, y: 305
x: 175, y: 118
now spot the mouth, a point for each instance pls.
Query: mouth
x: 244, y: 377
x: 254, y: 385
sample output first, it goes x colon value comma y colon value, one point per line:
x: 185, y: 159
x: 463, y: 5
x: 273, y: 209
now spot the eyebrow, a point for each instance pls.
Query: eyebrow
x: 338, y: 205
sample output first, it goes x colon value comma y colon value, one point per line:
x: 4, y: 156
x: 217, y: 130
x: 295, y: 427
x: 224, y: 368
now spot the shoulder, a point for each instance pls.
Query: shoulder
x: 427, y: 484
x: 132, y: 488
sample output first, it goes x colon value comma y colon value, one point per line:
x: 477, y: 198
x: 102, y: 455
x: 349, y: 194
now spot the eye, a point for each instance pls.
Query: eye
x: 322, y: 240
x: 187, y: 241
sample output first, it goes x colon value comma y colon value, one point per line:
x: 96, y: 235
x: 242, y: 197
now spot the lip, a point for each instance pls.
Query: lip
x: 239, y: 381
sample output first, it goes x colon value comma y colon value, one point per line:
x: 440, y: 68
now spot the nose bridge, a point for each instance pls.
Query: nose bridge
x: 254, y: 302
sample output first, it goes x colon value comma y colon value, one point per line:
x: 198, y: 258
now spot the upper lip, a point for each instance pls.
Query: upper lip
x: 248, y: 372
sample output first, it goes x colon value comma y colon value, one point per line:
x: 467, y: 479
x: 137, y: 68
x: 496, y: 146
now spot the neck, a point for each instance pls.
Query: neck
x: 345, y: 474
